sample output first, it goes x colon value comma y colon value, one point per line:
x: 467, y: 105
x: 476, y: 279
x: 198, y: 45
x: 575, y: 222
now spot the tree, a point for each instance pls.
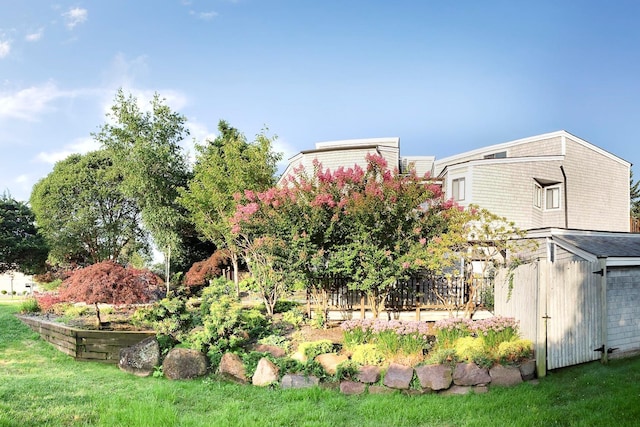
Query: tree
x: 475, y: 243
x: 146, y: 148
x: 201, y: 272
x: 366, y: 225
x: 226, y: 166
x: 22, y: 247
x: 634, y: 193
x: 84, y: 214
x: 109, y: 283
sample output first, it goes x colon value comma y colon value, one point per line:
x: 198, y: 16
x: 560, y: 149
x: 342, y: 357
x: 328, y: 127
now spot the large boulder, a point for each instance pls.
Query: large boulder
x: 470, y: 374
x: 184, y: 363
x: 330, y: 362
x: 435, y: 377
x: 231, y: 367
x: 140, y: 359
x: 352, y: 387
x: 273, y: 350
x: 398, y: 376
x: 266, y: 373
x: 505, y: 375
x: 528, y: 370
x: 369, y: 374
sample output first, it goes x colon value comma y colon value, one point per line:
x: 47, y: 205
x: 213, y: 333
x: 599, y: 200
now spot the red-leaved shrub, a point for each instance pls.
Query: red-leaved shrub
x: 110, y: 283
x: 47, y: 300
x: 201, y: 272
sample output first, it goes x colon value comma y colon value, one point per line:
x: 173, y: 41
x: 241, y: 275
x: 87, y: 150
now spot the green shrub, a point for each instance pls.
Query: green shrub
x: 74, y: 311
x: 442, y: 356
x: 318, y: 321
x: 347, y: 370
x: 514, y: 351
x: 250, y: 361
x: 29, y: 305
x: 277, y: 341
x: 3, y: 292
x: 50, y: 286
x: 495, y: 330
x: 366, y: 354
x: 450, y: 329
x: 294, y: 316
x: 472, y: 349
x: 311, y: 349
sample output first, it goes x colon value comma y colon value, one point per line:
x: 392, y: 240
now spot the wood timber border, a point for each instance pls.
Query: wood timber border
x: 82, y: 344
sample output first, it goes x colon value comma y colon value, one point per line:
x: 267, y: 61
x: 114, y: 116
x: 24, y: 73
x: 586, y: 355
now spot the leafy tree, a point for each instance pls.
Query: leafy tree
x: 146, y: 148
x: 203, y: 271
x: 478, y: 240
x: 634, y: 193
x: 83, y: 212
x: 109, y: 283
x: 224, y: 167
x: 22, y: 247
x: 366, y: 225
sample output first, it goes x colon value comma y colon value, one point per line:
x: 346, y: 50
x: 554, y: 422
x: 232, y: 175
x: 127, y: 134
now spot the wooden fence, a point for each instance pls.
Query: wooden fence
x: 86, y: 345
x: 422, y: 292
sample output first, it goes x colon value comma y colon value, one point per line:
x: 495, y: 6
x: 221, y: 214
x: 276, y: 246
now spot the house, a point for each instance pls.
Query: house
x: 15, y: 283
x: 347, y: 153
x: 577, y: 297
x: 550, y: 180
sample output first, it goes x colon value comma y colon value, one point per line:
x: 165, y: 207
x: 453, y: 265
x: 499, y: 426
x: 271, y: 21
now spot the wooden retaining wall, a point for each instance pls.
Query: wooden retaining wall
x: 86, y: 345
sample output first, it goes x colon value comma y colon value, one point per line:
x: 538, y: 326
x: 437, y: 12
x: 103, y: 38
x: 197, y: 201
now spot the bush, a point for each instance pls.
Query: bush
x: 168, y: 316
x: 451, y: 329
x: 51, y: 286
x: 29, y: 305
x: 277, y: 341
x: 347, y: 370
x: 442, y: 356
x: 472, y: 349
x: 294, y: 316
x: 514, y: 351
x: 366, y: 354
x: 202, y: 272
x: 46, y: 301
x: 495, y: 330
x: 3, y: 292
x: 311, y: 349
x: 76, y: 310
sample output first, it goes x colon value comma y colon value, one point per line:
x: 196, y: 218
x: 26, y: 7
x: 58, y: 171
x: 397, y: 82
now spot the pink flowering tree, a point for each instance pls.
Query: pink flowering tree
x: 370, y: 226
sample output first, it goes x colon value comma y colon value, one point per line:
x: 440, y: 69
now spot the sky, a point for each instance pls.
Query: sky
x: 444, y: 76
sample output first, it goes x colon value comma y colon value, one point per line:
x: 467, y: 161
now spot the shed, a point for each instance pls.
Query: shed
x: 577, y: 297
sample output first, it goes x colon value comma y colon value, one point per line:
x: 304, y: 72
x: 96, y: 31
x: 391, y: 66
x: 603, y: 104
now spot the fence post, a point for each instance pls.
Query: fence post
x: 362, y: 310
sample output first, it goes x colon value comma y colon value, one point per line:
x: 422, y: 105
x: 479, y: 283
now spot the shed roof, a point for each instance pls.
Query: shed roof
x: 605, y: 246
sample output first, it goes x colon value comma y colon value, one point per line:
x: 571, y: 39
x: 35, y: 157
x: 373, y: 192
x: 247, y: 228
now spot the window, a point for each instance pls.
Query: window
x: 457, y: 190
x: 552, y: 198
x: 537, y: 196
x: 500, y: 155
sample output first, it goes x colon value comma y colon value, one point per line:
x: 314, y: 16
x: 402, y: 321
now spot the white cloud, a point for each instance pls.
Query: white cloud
x: 205, y: 16
x: 80, y: 145
x: 26, y: 104
x: 34, y: 37
x: 5, y: 48
x: 75, y: 16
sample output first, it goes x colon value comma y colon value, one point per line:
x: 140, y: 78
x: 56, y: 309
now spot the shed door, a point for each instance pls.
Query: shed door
x: 574, y: 306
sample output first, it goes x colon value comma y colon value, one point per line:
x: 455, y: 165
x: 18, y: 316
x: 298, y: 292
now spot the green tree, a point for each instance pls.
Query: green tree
x: 634, y: 194
x: 84, y: 214
x: 146, y: 146
x: 227, y: 166
x: 22, y: 247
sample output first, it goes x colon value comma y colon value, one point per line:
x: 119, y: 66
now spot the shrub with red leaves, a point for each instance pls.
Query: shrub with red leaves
x: 46, y: 301
x: 201, y: 272
x: 110, y: 283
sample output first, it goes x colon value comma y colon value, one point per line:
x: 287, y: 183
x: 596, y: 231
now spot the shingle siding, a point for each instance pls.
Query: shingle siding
x: 623, y: 308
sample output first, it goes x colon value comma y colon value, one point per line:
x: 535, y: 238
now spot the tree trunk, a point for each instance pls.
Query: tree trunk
x: 236, y: 279
x: 99, y: 320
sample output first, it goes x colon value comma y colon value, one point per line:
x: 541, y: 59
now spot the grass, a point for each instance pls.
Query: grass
x: 41, y: 386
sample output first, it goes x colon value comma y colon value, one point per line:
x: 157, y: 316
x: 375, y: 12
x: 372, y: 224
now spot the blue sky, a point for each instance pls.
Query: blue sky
x: 444, y: 76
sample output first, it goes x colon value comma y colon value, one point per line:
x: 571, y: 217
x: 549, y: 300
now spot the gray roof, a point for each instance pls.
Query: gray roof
x: 604, y: 246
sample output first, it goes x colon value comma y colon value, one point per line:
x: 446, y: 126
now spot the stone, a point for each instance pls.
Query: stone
x: 140, y: 359
x: 352, y: 387
x: 480, y: 389
x: 505, y: 375
x: 456, y: 390
x: 378, y: 389
x: 299, y: 357
x: 369, y: 374
x: 273, y: 350
x: 528, y: 370
x: 435, y: 377
x: 231, y: 367
x: 298, y: 381
x: 184, y: 363
x: 266, y: 373
x: 398, y: 376
x: 330, y: 361
x: 470, y: 374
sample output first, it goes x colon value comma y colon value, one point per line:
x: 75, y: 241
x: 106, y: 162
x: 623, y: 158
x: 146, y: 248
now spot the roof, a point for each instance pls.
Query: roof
x: 618, y: 248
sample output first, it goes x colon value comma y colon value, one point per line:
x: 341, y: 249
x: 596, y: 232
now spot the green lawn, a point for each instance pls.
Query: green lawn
x: 41, y: 386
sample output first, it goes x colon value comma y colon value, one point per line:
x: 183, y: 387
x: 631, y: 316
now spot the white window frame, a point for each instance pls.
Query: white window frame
x: 538, y: 194
x: 455, y: 189
x: 549, y: 190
